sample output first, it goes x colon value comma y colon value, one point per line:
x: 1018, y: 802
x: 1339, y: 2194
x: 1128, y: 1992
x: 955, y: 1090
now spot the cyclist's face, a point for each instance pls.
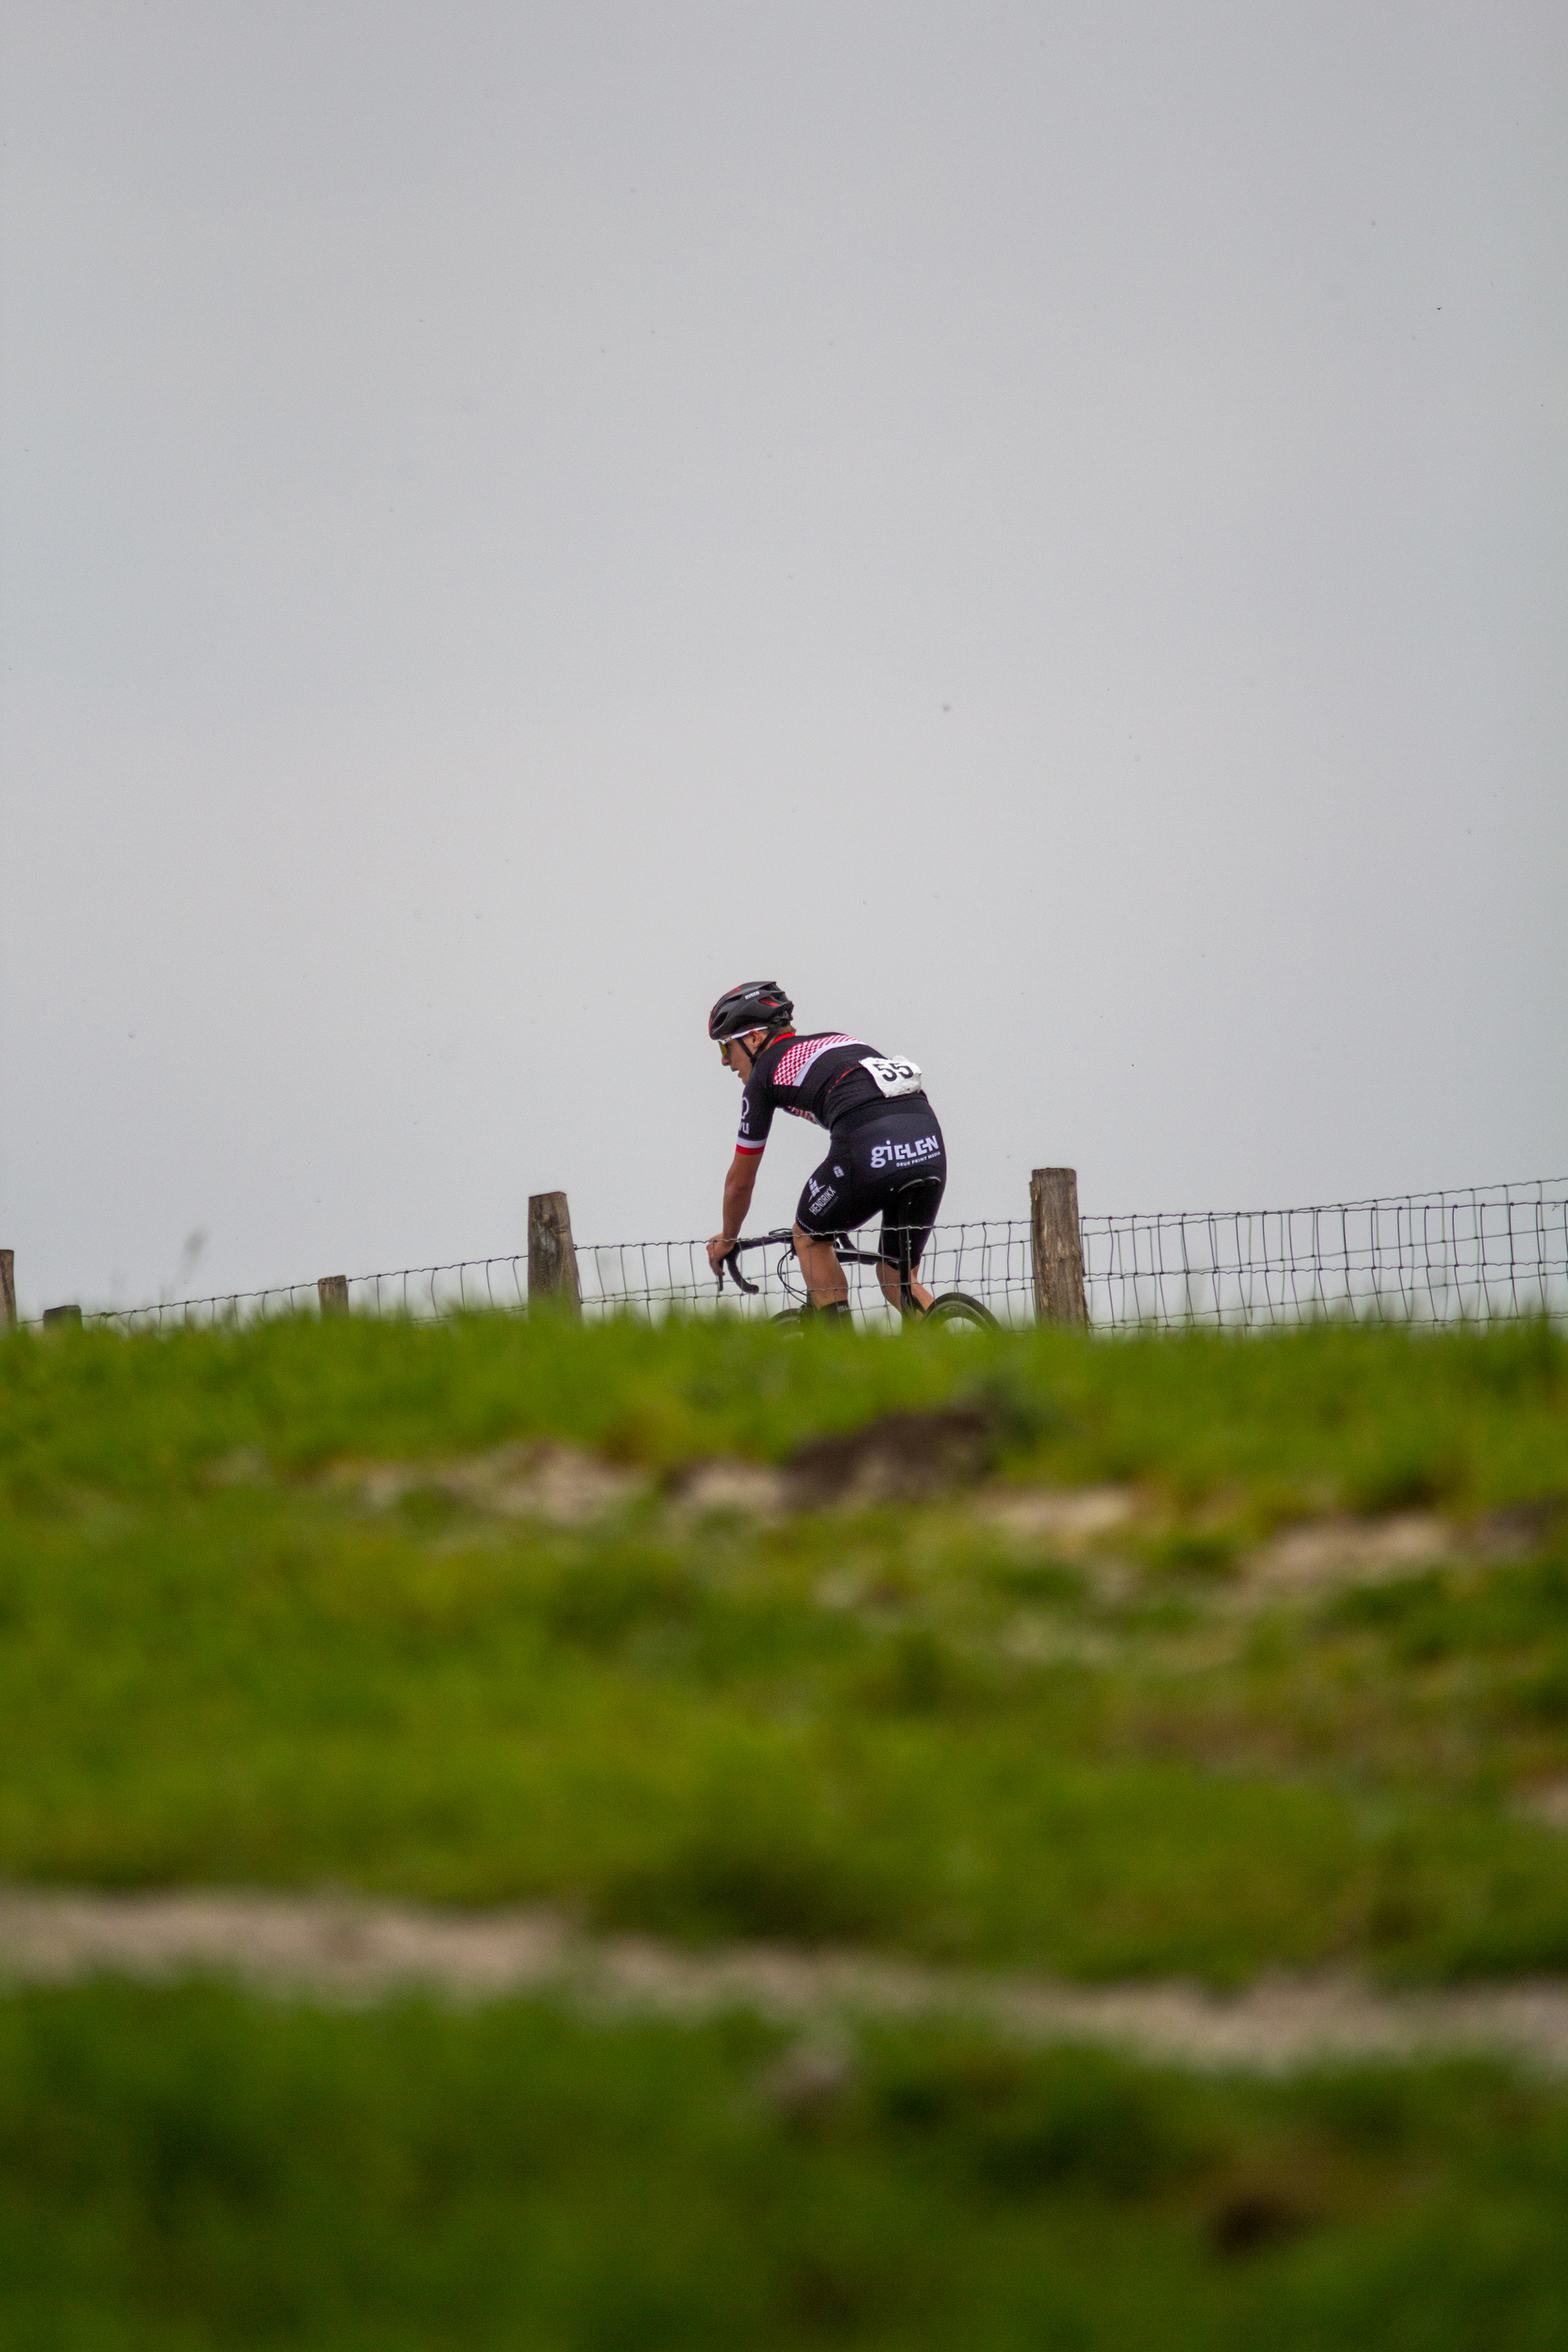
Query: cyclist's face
x: 736, y: 1055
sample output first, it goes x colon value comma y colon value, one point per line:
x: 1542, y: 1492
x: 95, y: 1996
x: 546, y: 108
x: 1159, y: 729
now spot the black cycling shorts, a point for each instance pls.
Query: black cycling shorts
x: 864, y: 1168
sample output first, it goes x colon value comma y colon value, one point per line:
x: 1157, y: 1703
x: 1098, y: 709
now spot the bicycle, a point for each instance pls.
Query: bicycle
x: 955, y: 1309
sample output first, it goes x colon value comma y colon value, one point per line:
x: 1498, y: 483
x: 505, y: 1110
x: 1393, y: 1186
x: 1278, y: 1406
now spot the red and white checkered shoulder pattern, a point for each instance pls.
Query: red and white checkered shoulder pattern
x: 795, y: 1060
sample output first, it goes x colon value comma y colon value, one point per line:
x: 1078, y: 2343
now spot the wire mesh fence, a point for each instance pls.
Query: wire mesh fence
x: 225, y: 1308
x: 465, y: 1285
x: 1492, y: 1251
x: 1487, y: 1252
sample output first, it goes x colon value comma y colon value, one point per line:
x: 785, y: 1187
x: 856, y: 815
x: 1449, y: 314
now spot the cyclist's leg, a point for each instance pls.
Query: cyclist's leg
x: 818, y: 1215
x: 826, y: 1284
x: 907, y: 1222
x: 888, y: 1276
x: 865, y: 1166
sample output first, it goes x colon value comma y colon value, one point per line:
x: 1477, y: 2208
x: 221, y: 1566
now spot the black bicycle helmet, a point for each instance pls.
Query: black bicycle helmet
x: 754, y: 1004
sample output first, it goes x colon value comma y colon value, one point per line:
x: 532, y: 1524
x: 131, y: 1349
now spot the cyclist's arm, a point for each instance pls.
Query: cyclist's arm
x: 739, y: 1186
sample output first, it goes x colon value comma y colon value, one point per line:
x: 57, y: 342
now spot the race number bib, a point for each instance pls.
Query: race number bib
x: 892, y: 1073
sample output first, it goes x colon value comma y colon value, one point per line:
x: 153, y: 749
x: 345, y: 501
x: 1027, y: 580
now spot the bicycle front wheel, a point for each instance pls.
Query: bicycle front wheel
x: 956, y: 1311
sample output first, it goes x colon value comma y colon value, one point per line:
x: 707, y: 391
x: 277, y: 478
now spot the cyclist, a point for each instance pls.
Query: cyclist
x: 883, y: 1131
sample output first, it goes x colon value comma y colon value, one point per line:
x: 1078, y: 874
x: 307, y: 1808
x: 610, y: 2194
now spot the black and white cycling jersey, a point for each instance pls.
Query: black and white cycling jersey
x: 824, y: 1078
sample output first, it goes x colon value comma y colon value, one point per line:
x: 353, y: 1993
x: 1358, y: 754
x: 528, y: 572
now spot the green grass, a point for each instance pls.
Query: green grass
x: 892, y: 1727
x: 899, y: 1727
x: 190, y: 2168
x: 1377, y: 1418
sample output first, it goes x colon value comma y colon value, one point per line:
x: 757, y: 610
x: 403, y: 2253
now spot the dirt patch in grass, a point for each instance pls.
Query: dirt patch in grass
x: 1065, y: 1520
x: 360, y: 1950
x: 1547, y: 1803
x: 901, y: 1458
x: 1343, y: 1552
x: 563, y: 1485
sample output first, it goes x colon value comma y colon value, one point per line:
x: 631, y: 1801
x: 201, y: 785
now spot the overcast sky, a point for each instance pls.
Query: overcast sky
x: 1039, y: 527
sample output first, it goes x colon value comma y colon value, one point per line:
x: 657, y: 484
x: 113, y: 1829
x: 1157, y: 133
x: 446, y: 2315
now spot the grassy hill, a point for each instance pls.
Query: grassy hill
x: 1200, y: 1656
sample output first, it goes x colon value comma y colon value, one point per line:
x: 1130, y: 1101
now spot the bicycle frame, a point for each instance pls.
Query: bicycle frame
x: 844, y: 1250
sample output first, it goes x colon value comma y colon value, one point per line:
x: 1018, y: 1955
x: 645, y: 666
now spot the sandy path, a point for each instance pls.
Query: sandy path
x: 355, y: 1950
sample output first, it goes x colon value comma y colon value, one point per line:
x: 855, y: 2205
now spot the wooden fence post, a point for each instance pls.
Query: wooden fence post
x: 551, y: 1260
x: 1057, y: 1246
x: 332, y: 1291
x: 8, y: 1288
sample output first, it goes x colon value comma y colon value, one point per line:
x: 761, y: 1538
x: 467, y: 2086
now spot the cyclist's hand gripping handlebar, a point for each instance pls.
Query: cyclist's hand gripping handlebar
x: 734, y: 1262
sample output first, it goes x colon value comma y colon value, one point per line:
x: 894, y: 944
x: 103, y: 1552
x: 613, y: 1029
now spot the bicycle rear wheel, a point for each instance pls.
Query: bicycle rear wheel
x: 956, y: 1311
